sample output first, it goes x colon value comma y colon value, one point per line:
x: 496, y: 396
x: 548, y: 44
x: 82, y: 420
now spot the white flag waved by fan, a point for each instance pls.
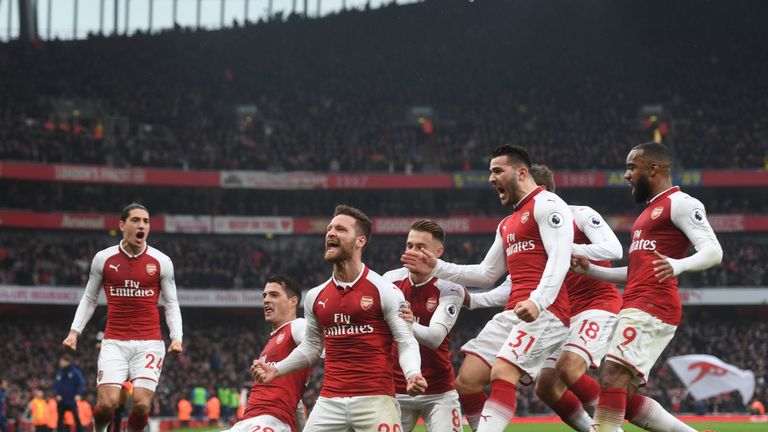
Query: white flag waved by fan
x: 706, y: 376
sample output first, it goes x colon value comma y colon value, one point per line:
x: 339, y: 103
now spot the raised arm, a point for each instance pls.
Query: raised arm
x: 483, y: 275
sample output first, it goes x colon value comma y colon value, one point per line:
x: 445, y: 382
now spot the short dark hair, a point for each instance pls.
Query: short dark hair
x: 514, y: 152
x: 657, y: 152
x: 430, y: 226
x: 363, y: 222
x: 288, y: 283
x: 127, y: 210
x: 66, y: 356
x: 542, y: 175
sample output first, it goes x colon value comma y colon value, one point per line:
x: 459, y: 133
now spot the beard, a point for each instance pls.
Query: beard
x: 642, y: 190
x: 343, y: 254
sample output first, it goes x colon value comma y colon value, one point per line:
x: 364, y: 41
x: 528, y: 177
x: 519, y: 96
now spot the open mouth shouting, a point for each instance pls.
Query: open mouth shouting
x: 332, y: 245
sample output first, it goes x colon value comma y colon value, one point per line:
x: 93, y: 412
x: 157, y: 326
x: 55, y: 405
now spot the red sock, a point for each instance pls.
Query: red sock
x: 500, y: 406
x: 137, y: 422
x: 610, y: 409
x: 587, y: 390
x: 567, y: 406
x: 472, y: 406
x: 634, y: 405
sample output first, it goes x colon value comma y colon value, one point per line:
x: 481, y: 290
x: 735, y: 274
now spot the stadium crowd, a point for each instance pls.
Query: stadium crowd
x: 227, y: 262
x: 220, y: 349
x: 383, y: 95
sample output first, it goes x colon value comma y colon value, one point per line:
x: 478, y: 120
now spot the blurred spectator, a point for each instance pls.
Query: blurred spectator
x: 184, y: 410
x: 3, y: 402
x: 69, y: 388
x: 199, y: 401
x: 38, y: 411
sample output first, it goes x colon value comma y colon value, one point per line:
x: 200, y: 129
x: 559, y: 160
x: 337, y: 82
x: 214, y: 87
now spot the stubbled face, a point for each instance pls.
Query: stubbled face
x: 135, y: 228
x: 341, y: 239
x: 278, y: 307
x: 418, y: 240
x: 638, y: 176
x: 505, y: 177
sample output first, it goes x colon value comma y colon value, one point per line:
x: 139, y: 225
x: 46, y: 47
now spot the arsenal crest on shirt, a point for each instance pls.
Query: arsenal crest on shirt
x: 431, y: 304
x: 524, y: 217
x: 151, y: 269
x: 657, y: 212
x: 280, y: 338
x: 366, y: 302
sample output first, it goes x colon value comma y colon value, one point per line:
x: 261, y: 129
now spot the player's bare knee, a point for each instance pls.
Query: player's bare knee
x: 505, y: 371
x: 469, y: 384
x: 141, y: 408
x: 614, y: 375
x: 570, y: 371
x: 107, y: 399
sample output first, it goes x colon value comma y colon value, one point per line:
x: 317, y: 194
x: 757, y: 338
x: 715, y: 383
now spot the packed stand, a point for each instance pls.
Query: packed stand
x: 241, y: 262
x: 333, y: 94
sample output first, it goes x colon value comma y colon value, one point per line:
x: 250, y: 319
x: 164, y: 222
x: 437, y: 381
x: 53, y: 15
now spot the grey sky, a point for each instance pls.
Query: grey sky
x: 62, y: 18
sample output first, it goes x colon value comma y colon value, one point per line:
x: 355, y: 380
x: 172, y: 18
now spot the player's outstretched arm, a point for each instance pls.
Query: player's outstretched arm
x: 87, y: 304
x: 581, y: 265
x: 310, y: 350
x: 494, y: 298
x: 556, y: 229
x: 444, y: 318
x: 689, y: 215
x: 604, y: 245
x: 483, y: 275
x: 171, y: 306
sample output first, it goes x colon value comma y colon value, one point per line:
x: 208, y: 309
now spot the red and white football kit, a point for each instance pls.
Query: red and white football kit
x: 594, y: 303
x: 133, y: 346
x: 273, y: 406
x: 356, y: 322
x: 651, y: 312
x: 533, y: 244
x: 435, y: 305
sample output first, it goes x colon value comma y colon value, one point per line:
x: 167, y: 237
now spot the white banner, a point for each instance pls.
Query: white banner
x: 252, y: 225
x: 706, y: 376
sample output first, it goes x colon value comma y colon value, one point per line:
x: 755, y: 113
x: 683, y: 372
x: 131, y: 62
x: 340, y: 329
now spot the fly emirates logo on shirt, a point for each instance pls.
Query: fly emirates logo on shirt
x: 516, y: 247
x: 639, y: 243
x: 131, y: 288
x: 343, y: 326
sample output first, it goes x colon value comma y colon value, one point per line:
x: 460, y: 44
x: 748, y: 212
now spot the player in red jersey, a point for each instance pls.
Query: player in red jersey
x: 534, y: 245
x: 434, y: 308
x: 355, y: 316
x: 562, y: 383
x: 134, y: 276
x: 661, y: 236
x: 272, y: 407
